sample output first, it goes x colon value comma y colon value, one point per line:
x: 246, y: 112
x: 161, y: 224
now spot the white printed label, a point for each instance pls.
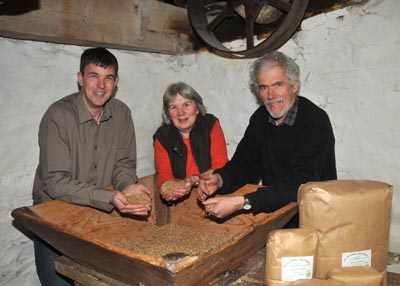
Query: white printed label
x: 295, y: 268
x: 356, y: 258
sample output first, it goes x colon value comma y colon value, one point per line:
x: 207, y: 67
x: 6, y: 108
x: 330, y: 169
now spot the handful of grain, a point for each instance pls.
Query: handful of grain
x: 208, y: 209
x: 140, y: 199
x: 169, y: 186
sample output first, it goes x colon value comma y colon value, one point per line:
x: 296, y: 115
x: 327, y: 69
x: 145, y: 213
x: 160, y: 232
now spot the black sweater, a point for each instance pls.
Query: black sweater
x: 283, y: 157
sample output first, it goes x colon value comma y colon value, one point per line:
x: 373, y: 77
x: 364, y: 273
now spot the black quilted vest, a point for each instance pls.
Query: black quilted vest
x: 200, y: 142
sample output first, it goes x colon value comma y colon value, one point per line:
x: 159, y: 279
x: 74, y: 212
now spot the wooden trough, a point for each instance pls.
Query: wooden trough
x: 87, y: 236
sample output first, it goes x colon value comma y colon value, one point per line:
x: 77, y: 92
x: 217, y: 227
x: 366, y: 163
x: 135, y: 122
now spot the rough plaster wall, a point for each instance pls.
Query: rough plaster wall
x: 349, y: 67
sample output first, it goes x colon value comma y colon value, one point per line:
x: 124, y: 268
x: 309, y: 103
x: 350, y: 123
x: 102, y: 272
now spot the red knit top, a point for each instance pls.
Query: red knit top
x: 218, y: 153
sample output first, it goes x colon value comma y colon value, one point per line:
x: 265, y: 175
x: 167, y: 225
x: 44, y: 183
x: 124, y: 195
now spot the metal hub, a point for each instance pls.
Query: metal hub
x: 286, y: 15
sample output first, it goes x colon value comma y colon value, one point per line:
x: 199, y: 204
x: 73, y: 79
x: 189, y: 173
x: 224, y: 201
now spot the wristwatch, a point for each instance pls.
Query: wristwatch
x: 246, y: 204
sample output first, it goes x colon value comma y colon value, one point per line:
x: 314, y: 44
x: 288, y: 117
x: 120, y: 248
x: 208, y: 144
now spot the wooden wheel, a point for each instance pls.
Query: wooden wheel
x: 285, y: 14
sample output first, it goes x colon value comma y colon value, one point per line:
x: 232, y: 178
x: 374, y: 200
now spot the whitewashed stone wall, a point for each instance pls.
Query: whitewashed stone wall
x: 350, y: 66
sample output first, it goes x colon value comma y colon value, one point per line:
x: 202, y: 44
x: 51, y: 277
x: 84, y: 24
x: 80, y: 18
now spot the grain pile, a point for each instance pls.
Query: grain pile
x: 140, y: 199
x: 173, y: 238
x: 169, y: 186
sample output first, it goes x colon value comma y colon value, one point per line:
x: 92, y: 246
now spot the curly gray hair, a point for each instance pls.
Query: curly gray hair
x: 266, y: 62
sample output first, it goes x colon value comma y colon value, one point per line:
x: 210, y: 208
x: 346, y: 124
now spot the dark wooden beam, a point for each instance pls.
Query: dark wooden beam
x: 145, y: 25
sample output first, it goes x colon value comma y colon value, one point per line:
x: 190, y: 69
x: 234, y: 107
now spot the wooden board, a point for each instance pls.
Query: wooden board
x: 145, y: 25
x: 250, y: 272
x: 86, y: 235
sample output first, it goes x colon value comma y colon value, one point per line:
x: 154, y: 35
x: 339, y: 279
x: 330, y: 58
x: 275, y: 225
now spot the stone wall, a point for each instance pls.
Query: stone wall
x: 350, y: 66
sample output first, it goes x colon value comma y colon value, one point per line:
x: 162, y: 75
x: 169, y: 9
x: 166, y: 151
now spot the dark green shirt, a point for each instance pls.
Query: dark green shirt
x: 78, y: 157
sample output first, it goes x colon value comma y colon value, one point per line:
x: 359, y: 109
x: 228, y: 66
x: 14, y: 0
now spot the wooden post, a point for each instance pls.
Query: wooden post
x: 163, y: 215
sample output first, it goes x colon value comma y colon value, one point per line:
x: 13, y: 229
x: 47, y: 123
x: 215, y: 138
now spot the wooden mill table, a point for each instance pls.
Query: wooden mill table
x: 87, y: 237
x: 248, y: 273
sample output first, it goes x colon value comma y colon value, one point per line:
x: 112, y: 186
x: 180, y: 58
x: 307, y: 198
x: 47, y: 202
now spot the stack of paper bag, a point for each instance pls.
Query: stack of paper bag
x: 356, y: 276
x: 290, y: 255
x: 352, y: 219
x: 317, y: 282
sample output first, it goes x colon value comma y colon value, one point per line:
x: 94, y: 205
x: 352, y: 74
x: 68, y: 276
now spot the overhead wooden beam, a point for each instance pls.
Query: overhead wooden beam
x: 145, y: 25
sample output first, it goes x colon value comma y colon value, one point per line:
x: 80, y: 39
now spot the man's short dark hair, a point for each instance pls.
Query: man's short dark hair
x: 100, y: 57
